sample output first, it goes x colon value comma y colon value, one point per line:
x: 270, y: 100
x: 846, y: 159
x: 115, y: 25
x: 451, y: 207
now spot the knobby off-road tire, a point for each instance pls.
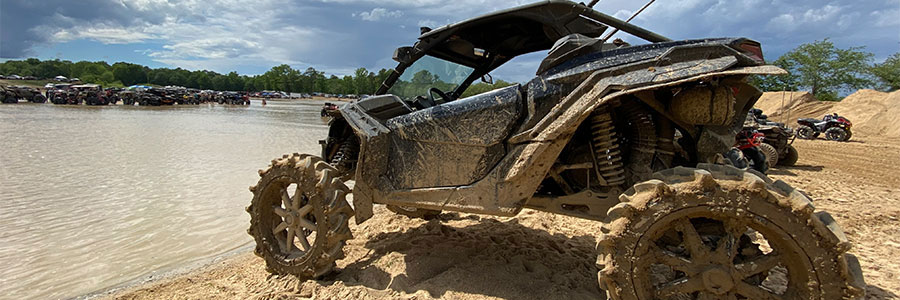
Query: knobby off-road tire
x: 414, y: 212
x: 38, y: 99
x: 304, y: 233
x: 721, y: 233
x: 849, y: 134
x: 836, y: 134
x: 770, y: 153
x: 790, y: 157
x: 806, y: 132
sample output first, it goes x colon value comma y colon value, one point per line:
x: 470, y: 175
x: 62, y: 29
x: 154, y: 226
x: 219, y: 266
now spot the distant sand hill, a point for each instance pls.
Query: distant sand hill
x: 872, y: 113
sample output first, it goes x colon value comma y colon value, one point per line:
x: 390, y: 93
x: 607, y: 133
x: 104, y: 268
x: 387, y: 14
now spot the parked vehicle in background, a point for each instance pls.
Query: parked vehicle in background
x: 15, y: 93
x: 91, y: 94
x: 835, y: 127
x: 329, y: 109
x: 7, y: 96
x: 777, y: 144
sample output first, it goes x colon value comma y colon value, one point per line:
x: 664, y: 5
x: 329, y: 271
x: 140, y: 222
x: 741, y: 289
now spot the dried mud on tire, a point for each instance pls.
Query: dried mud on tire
x: 638, y: 240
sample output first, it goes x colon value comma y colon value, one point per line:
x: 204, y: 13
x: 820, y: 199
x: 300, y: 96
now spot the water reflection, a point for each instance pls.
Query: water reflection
x: 91, y: 197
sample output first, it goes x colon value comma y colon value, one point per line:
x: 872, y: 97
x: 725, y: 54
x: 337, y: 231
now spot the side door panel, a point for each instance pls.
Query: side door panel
x: 452, y: 144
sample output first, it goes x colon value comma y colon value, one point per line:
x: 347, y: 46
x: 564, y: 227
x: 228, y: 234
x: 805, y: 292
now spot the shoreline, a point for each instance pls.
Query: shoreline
x: 538, y: 255
x: 162, y: 275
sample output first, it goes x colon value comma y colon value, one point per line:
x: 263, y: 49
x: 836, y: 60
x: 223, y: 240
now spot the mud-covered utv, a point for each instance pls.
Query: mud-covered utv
x: 155, y: 97
x: 591, y: 136
x: 12, y: 94
x: 91, y: 94
x: 777, y: 144
x: 7, y: 96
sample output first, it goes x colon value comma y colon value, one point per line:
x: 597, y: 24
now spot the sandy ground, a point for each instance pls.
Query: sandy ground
x: 543, y: 256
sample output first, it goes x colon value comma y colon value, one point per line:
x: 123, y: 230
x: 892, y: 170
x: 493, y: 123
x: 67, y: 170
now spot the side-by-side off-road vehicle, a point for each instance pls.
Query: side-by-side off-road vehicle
x: 12, y: 94
x: 591, y: 136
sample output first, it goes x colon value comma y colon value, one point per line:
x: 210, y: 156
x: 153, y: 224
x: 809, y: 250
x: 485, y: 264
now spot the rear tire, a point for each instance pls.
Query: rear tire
x: 770, y: 153
x: 806, y: 132
x: 282, y: 224
x: 836, y: 134
x: 718, y: 232
x: 39, y: 99
x: 790, y: 157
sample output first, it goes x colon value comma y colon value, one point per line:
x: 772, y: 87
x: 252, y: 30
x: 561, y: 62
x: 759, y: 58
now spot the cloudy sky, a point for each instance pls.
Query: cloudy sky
x: 337, y: 36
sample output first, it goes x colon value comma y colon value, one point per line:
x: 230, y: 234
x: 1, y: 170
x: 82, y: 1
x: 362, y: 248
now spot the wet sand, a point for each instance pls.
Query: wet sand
x: 543, y: 256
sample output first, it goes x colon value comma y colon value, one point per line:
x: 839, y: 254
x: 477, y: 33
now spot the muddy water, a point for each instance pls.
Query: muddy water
x: 91, y: 197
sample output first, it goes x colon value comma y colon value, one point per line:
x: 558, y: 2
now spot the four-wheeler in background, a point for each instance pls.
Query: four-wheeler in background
x: 591, y: 136
x: 749, y: 142
x: 7, y: 96
x: 835, y: 127
x: 90, y: 94
x: 329, y: 109
x: 777, y: 142
x: 12, y: 94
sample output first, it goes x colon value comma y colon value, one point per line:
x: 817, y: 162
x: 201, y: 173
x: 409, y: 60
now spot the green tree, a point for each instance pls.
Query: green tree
x: 826, y: 70
x: 129, y: 74
x: 888, y: 73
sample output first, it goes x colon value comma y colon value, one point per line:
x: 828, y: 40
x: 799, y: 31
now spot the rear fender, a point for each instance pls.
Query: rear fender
x: 599, y: 88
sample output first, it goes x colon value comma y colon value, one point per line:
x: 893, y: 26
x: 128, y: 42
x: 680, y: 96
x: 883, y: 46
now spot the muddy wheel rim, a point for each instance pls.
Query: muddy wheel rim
x: 692, y: 254
x: 835, y: 135
x: 293, y: 216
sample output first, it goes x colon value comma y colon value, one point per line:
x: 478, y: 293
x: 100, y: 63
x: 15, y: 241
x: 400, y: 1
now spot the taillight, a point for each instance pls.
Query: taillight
x: 753, y: 50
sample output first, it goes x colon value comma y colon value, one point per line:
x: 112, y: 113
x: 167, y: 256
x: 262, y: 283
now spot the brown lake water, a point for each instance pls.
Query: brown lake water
x: 93, y: 197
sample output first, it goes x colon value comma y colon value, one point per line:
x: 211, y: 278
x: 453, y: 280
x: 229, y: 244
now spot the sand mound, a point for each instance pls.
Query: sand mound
x: 872, y: 112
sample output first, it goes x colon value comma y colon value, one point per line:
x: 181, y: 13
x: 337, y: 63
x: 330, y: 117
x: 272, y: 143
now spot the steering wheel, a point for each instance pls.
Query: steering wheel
x: 444, y: 97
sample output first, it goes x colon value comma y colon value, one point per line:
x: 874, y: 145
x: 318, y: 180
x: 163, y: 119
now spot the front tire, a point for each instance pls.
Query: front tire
x: 721, y: 233
x: 836, y: 134
x: 303, y: 233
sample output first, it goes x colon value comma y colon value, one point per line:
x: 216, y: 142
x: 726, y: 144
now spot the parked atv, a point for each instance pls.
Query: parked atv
x: 835, y: 127
x: 591, y: 137
x: 329, y: 109
x: 777, y: 142
x: 750, y: 142
x: 128, y: 97
x: 91, y: 94
x: 7, y: 96
x: 13, y: 94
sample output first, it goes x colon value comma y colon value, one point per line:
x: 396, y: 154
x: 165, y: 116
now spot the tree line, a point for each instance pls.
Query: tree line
x: 827, y: 71
x: 819, y: 67
x: 279, y: 78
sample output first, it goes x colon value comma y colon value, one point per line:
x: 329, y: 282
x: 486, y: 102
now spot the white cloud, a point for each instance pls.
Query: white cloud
x: 379, y: 13
x: 429, y: 23
x: 103, y: 34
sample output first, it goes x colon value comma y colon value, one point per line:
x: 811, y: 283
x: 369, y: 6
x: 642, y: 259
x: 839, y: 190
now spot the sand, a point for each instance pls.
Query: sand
x: 872, y: 113
x: 538, y: 255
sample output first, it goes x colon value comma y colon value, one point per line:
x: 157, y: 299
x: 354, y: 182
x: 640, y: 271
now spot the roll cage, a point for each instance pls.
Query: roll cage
x: 485, y: 43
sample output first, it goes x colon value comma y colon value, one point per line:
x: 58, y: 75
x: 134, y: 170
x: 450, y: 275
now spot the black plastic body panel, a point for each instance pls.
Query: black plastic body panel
x: 452, y: 144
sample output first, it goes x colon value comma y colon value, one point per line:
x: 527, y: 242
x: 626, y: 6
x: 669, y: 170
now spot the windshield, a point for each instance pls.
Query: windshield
x: 426, y: 73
